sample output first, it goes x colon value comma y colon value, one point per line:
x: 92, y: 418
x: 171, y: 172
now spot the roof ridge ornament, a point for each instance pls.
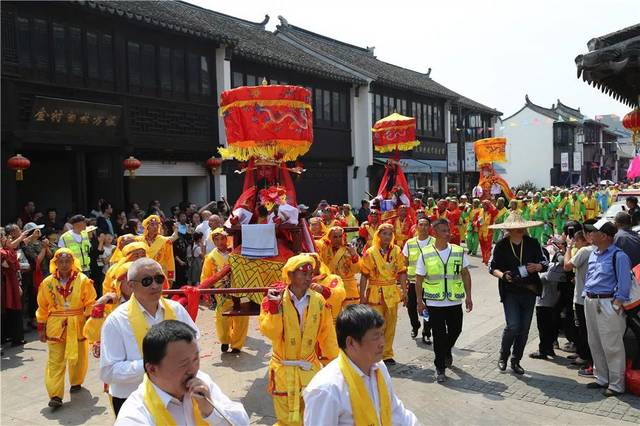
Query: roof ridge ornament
x: 371, y: 50
x: 265, y: 21
x: 429, y: 72
x: 283, y: 21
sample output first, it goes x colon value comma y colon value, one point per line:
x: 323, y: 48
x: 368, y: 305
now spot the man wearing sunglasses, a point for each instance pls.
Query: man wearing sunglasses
x: 121, y: 365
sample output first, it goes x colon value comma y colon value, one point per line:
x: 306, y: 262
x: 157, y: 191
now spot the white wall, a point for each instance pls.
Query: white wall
x: 361, y: 145
x: 529, y: 148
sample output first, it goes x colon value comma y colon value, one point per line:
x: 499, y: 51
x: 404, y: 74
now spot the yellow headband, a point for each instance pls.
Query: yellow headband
x: 376, y: 237
x: 218, y: 231
x: 131, y: 247
x: 294, y: 263
x: 53, y: 268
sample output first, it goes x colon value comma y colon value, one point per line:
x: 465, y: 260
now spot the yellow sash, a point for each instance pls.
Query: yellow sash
x: 364, y: 413
x: 155, y: 248
x: 136, y: 318
x: 333, y: 264
x: 159, y: 412
x: 386, y: 271
x: 71, y: 345
x: 300, y: 347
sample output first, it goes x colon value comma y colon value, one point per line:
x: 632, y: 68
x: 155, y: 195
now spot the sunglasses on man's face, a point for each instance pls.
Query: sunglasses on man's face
x: 147, y: 281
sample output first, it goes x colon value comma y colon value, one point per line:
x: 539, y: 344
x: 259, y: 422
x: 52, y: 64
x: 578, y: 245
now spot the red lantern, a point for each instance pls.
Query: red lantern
x: 631, y: 121
x: 213, y: 163
x: 19, y: 163
x: 131, y: 164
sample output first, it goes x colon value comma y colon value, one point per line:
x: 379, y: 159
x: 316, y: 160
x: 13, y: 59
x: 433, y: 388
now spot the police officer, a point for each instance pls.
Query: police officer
x: 443, y: 282
x: 77, y: 240
x: 412, y: 250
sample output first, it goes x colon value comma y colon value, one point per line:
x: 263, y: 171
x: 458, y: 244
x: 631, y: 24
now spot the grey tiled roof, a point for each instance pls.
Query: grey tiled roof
x: 363, y: 60
x: 247, y: 39
x: 613, y: 64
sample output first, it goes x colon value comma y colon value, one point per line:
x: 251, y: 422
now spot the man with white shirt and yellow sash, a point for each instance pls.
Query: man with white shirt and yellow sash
x: 174, y: 390
x: 65, y: 300
x: 159, y: 247
x: 121, y: 365
x: 296, y: 320
x: 356, y: 389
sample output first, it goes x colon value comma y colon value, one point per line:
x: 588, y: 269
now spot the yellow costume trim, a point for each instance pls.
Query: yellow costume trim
x: 285, y: 149
x: 364, y: 413
x: 263, y: 103
x: 401, y: 127
x: 405, y: 146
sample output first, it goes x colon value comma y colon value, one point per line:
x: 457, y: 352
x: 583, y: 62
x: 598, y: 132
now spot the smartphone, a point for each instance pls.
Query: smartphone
x: 571, y: 232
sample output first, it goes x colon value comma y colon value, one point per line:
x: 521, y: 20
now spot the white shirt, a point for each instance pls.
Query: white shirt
x: 300, y: 305
x: 206, y: 232
x: 121, y: 364
x: 444, y: 257
x: 477, y: 192
x: 134, y: 412
x: 327, y: 400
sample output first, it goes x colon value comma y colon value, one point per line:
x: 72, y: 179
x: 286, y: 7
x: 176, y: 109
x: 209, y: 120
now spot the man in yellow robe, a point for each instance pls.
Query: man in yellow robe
x: 590, y: 205
x: 329, y: 285
x: 342, y: 260
x: 159, y: 247
x: 232, y: 331
x: 65, y: 300
x: 382, y: 267
x: 295, y: 319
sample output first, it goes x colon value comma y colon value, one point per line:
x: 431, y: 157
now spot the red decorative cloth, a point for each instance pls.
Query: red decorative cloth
x: 10, y: 298
x: 270, y: 122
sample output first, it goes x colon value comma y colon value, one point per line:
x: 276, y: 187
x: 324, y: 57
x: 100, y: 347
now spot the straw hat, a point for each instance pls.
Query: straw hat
x: 515, y: 221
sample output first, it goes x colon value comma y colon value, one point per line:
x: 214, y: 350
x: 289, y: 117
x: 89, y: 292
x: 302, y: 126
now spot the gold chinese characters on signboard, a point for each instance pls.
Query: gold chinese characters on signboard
x: 59, y: 115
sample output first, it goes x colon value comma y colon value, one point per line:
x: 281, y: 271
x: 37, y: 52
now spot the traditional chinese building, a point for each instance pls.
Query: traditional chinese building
x: 88, y: 84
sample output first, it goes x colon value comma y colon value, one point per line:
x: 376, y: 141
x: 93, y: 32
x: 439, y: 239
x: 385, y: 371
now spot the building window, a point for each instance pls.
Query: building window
x: 237, y: 79
x: 205, y: 77
x: 40, y: 48
x: 23, y: 45
x: 133, y: 62
x: 75, y: 54
x: 317, y: 105
x: 165, y: 71
x: 335, y: 107
x: 178, y: 74
x: 148, y: 68
x: 326, y: 106
x: 92, y: 57
x: 106, y: 60
x: 251, y: 80
x: 59, y: 53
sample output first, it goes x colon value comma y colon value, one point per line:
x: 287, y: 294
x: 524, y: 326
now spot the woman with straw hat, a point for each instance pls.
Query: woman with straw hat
x: 516, y: 261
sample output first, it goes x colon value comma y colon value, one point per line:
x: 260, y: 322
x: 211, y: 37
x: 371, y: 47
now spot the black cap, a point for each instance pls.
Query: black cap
x: 603, y: 226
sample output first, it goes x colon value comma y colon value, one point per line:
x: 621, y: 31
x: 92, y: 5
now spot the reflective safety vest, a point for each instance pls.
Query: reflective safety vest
x: 443, y: 278
x: 414, y: 254
x: 80, y: 249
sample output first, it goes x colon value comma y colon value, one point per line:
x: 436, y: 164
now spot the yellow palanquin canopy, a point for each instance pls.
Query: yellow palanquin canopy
x: 395, y: 133
x: 267, y: 122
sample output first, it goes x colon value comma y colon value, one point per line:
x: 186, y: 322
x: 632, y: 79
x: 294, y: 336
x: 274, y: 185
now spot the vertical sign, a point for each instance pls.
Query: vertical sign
x: 452, y: 157
x: 564, y: 161
x: 469, y: 157
x: 577, y: 161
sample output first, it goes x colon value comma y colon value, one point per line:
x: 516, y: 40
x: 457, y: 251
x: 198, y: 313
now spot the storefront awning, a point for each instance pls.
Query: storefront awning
x: 626, y: 150
x: 410, y: 165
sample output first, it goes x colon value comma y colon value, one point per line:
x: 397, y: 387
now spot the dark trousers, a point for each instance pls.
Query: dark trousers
x: 565, y: 312
x: 582, y: 342
x: 446, y: 323
x: 117, y: 404
x: 546, y: 319
x: 412, y: 310
x: 12, y: 325
x: 518, y: 313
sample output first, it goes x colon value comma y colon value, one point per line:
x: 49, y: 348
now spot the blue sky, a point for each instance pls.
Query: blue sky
x: 492, y: 51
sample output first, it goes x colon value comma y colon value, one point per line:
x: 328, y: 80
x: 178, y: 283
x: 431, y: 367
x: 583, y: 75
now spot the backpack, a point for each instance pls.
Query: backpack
x: 634, y: 289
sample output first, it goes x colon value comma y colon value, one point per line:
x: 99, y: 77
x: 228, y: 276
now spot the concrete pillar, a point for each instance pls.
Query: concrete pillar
x: 223, y: 82
x: 361, y: 144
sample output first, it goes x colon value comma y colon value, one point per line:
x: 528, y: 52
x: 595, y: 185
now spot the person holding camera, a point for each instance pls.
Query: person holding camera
x: 516, y: 261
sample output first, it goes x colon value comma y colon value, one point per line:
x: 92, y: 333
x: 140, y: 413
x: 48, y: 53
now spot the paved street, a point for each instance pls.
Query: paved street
x: 476, y: 393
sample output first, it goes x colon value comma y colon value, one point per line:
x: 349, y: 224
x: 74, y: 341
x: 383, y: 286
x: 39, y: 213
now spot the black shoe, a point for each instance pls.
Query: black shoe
x: 448, y: 361
x: 235, y: 351
x: 414, y: 332
x: 224, y: 347
x: 596, y: 385
x: 515, y: 366
x: 18, y: 343
x: 55, y: 402
x: 426, y: 340
x: 75, y: 388
x: 389, y: 361
x: 502, y: 365
x: 610, y: 392
x: 441, y: 377
x: 539, y: 355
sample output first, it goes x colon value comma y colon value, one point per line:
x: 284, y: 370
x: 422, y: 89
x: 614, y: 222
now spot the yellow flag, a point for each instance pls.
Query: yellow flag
x: 490, y: 150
